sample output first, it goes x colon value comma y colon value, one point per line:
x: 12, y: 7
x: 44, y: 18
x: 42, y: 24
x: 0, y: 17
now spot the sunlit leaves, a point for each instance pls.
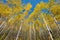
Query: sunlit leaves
x: 5, y: 10
x: 51, y: 2
x: 55, y: 9
x: 57, y: 18
x: 16, y: 12
x: 16, y: 2
x: 17, y: 9
x: 28, y: 7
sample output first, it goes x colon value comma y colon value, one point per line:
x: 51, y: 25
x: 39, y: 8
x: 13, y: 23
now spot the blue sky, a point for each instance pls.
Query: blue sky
x: 33, y: 3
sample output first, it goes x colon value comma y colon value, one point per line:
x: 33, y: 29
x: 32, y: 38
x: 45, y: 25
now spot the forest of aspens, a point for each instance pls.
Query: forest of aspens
x: 19, y: 22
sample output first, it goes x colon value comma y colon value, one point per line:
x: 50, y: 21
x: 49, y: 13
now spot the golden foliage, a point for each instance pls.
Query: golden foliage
x: 17, y: 13
x: 55, y: 9
x: 28, y: 7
